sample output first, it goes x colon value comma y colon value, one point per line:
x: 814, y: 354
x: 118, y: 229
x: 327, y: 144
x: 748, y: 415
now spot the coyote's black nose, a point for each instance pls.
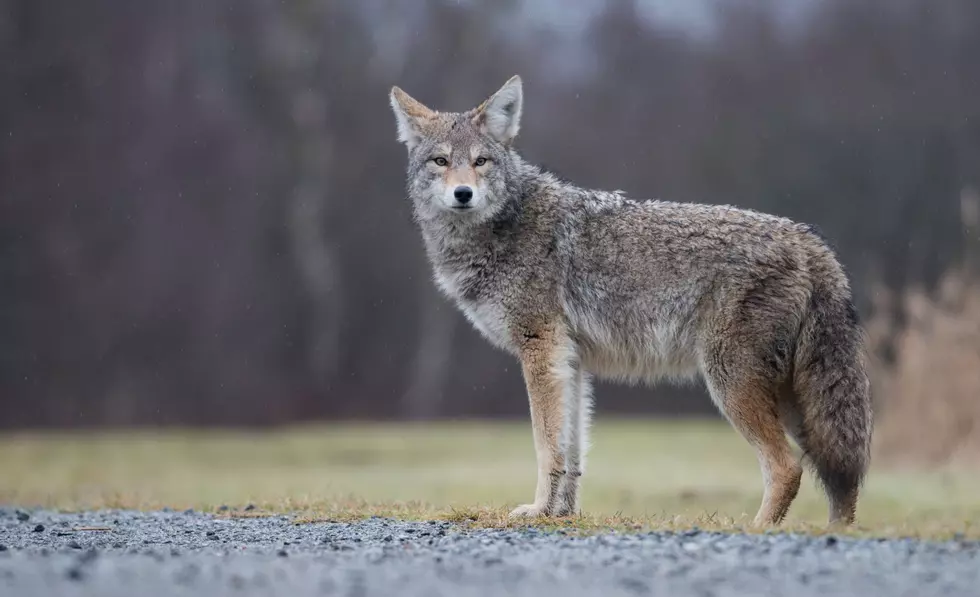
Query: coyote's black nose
x: 463, y: 194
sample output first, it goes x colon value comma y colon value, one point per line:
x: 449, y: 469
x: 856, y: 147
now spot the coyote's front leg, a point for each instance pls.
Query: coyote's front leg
x: 578, y: 405
x: 547, y: 361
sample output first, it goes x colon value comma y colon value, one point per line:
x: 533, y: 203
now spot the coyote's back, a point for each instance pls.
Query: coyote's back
x: 577, y: 282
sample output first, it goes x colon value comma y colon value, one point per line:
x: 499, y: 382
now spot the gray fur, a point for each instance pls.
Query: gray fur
x: 646, y: 290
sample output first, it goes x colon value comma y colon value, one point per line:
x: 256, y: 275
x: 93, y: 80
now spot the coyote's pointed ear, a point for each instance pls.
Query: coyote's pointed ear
x: 500, y: 116
x: 410, y: 115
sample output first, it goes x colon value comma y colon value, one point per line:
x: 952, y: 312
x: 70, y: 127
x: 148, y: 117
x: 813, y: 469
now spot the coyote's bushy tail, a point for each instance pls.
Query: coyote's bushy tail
x: 833, y: 390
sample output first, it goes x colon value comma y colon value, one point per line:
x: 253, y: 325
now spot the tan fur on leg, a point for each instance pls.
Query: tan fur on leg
x: 548, y: 373
x: 752, y: 412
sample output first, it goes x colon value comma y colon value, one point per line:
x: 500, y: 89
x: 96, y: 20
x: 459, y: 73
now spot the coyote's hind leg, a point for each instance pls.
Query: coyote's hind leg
x: 751, y: 409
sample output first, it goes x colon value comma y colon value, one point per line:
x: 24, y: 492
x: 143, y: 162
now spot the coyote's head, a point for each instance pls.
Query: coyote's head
x: 460, y: 163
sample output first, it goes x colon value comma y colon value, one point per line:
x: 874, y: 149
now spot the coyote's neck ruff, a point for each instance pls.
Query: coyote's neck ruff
x: 578, y: 282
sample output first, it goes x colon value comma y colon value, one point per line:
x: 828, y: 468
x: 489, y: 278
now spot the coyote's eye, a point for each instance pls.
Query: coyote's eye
x: 441, y: 161
x: 480, y: 161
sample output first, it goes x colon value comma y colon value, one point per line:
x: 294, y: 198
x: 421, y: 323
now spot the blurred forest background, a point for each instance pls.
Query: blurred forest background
x: 202, y: 217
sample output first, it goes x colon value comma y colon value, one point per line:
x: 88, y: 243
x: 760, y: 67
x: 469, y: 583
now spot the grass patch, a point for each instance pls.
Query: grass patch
x: 641, y: 475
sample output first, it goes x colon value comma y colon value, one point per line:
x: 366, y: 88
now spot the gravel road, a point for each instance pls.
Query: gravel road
x: 118, y: 553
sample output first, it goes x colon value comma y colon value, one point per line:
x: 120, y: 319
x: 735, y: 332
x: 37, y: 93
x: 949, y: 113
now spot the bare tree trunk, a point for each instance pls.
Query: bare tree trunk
x: 437, y: 328
x: 321, y: 272
x: 320, y: 269
x: 970, y: 217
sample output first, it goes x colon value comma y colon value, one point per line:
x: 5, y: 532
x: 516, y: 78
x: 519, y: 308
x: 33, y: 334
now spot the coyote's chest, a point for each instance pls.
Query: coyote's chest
x: 489, y: 318
x: 482, y: 310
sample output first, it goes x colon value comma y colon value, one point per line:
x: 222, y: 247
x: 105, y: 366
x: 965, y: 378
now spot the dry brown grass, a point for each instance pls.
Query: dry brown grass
x: 929, y: 400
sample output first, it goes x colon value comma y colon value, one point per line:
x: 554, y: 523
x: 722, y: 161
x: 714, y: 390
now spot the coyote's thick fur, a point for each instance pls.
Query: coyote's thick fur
x: 578, y: 282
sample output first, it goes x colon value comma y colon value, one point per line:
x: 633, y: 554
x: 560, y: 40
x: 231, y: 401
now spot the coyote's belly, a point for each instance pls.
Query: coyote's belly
x: 635, y: 347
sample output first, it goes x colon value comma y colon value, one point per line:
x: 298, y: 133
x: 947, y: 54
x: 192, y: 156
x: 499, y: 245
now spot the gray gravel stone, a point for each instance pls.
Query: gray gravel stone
x: 188, y: 553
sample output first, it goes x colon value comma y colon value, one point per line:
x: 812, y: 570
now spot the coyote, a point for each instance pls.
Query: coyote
x: 578, y: 283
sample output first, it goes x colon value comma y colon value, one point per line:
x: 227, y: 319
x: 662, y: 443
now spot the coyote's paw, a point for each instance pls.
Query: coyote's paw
x: 564, y: 509
x: 528, y: 511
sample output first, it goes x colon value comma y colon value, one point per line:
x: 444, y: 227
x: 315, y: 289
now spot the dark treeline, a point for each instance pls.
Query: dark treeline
x: 201, y: 208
